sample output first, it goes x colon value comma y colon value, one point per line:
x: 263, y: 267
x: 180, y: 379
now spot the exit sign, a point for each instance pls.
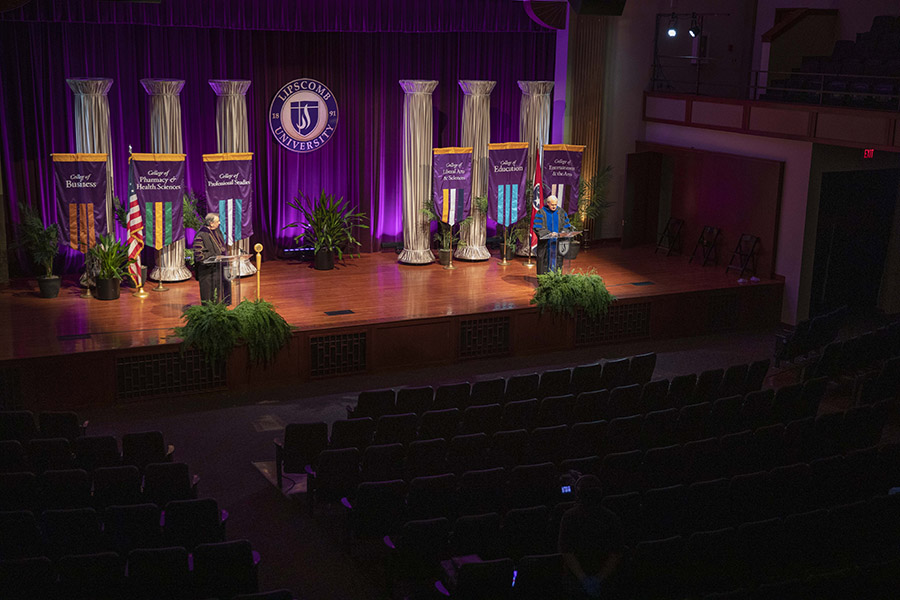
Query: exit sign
x: 869, y: 153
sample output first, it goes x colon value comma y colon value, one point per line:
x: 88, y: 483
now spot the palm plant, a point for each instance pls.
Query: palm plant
x: 42, y: 243
x: 112, y: 258
x: 328, y: 223
x: 593, y: 199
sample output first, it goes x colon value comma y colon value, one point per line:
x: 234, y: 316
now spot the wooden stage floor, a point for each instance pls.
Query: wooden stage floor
x: 375, y: 288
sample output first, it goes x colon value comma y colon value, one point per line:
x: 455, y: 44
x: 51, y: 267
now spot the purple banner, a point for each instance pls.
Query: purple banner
x: 506, y: 182
x: 159, y: 183
x: 229, y: 191
x: 81, y: 197
x: 452, y: 183
x: 562, y: 173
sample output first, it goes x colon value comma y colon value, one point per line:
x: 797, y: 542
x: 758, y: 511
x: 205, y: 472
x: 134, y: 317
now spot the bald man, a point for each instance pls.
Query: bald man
x: 548, y: 223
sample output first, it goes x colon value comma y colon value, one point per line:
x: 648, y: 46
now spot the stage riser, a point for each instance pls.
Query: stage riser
x: 145, y: 373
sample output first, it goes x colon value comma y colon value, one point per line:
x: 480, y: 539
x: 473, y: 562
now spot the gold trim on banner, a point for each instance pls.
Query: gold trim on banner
x: 227, y: 156
x: 461, y: 150
x: 508, y: 146
x: 566, y: 147
x: 79, y: 157
x: 144, y: 156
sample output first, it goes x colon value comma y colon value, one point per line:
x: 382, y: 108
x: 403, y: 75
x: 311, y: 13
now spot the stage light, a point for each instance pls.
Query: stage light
x: 695, y: 29
x: 673, y: 22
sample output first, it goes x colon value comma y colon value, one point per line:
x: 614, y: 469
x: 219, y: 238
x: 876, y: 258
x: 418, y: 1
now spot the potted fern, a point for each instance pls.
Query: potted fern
x: 42, y: 243
x: 565, y: 294
x: 445, y: 236
x: 112, y: 260
x: 328, y: 225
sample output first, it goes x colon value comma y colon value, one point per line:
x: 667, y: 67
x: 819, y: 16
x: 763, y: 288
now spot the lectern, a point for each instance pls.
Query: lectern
x: 227, y: 284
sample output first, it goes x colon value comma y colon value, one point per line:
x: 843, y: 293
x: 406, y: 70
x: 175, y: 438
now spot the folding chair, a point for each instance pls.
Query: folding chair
x: 670, y: 240
x: 743, y: 259
x: 708, y: 243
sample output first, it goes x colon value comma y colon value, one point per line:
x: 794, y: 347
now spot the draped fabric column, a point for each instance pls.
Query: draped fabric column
x: 92, y: 132
x: 232, y: 135
x: 165, y: 138
x: 534, y: 127
x: 418, y: 130
x: 476, y: 132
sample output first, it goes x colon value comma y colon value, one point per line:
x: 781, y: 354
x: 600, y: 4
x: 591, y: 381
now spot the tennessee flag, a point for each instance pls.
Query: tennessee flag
x: 537, y: 198
x: 135, y: 230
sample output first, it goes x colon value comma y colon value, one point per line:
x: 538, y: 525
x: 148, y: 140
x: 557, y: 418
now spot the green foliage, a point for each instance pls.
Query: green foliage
x: 593, y: 199
x: 328, y: 223
x: 264, y: 330
x: 190, y: 210
x: 120, y: 212
x: 445, y: 236
x: 562, y: 294
x: 42, y: 243
x: 215, y: 330
x: 111, y: 257
x: 210, y: 328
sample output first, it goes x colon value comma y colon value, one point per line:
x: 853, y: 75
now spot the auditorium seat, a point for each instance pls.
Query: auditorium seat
x: 377, y: 509
x: 799, y: 440
x: 589, y: 406
x: 701, y: 460
x: 586, y: 465
x: 726, y: 416
x: 164, y: 482
x: 538, y: 576
x: 507, y: 448
x: 17, y: 425
x: 352, y: 433
x: 468, y: 452
x: 653, y: 396
x: 763, y: 549
x: 640, y: 368
x: 767, y: 446
x: 13, y: 457
x: 432, y: 496
x: 481, y: 491
x: 92, y: 452
x: 442, y: 423
x: 615, y: 374
x: 53, y: 454
x: 555, y: 382
x: 142, y: 448
x: 621, y: 472
x: 692, y: 422
x: 532, y: 485
x: 523, y: 531
x: 27, y: 579
x: 117, y: 485
x: 476, y: 534
x: 628, y: 508
x: 418, y: 547
x: 586, y: 378
x: 19, y: 535
x: 522, y: 387
x: 790, y: 488
x: 481, y: 418
x: 98, y: 576
x: 383, y: 462
x: 488, y: 391
x: 556, y: 410
x: 657, y: 569
x: 663, y: 466
x: 18, y: 491
x: 396, y: 429
x: 707, y: 386
x: 454, y: 395
x: 585, y: 439
x: 736, y: 453
x: 426, y: 457
x: 624, y: 434
x: 126, y: 528
x: 707, y: 505
x: 155, y: 573
x: 624, y: 401
x: 224, y: 570
x: 734, y: 381
x: 301, y: 445
x: 373, y: 404
x: 756, y: 375
x: 336, y: 476
x: 681, y: 390
x: 713, y: 564
x: 70, y: 531
x: 415, y: 400
x: 70, y: 488
x: 192, y: 522
x: 520, y: 414
x: 750, y: 497
x: 663, y: 512
x: 546, y: 444
x: 61, y: 424
x: 484, y: 580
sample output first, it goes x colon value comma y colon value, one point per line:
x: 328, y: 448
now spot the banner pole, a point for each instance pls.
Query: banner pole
x: 258, y: 248
x: 449, y: 265
x: 503, y: 261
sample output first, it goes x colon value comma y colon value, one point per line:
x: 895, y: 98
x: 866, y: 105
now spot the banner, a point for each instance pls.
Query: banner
x: 229, y: 192
x: 562, y: 173
x: 159, y: 183
x: 452, y: 187
x: 81, y: 196
x: 506, y: 181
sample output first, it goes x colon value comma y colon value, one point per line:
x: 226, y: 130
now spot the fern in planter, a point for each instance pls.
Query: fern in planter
x: 265, y: 331
x: 210, y: 328
x: 563, y: 294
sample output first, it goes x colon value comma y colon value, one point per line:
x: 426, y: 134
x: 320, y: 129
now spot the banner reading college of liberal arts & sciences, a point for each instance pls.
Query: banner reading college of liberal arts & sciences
x: 452, y: 189
x: 506, y: 181
x: 229, y: 191
x: 81, y: 196
x: 159, y: 183
x: 562, y: 173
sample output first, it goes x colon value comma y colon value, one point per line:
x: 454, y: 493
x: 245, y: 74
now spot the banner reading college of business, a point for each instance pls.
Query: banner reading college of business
x: 229, y: 192
x: 81, y: 197
x: 159, y: 183
x: 562, y: 173
x: 506, y: 181
x: 452, y: 185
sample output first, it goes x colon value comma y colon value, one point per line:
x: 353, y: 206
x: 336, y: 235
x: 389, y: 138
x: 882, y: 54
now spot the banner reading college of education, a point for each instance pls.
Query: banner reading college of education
x: 452, y: 187
x: 159, y: 183
x: 506, y: 181
x: 229, y: 191
x: 81, y: 197
x: 562, y: 173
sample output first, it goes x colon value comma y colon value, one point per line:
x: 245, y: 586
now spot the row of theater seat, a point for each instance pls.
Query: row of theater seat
x: 225, y: 571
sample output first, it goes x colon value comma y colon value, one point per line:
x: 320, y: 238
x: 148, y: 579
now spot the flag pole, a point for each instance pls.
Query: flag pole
x: 503, y: 261
x: 449, y: 266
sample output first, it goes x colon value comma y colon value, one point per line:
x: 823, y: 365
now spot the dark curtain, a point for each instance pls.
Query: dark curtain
x: 361, y: 66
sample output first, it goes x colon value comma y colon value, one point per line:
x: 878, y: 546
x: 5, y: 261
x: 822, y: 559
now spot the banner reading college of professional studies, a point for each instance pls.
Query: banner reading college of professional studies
x: 159, y: 183
x: 452, y: 184
x: 506, y: 181
x: 81, y: 197
x: 562, y: 173
x: 229, y: 191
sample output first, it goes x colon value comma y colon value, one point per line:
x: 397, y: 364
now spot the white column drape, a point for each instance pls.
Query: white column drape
x: 476, y: 132
x: 92, y: 134
x: 232, y: 135
x: 534, y: 127
x: 418, y: 117
x: 165, y: 138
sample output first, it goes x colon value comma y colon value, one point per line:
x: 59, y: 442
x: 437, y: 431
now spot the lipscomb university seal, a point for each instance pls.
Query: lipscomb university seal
x: 303, y: 115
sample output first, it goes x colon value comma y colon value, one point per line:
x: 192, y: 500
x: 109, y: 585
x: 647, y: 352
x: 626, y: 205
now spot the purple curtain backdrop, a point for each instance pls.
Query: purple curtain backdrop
x: 361, y: 64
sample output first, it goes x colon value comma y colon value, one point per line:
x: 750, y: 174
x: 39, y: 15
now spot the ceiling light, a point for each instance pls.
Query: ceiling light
x: 673, y: 22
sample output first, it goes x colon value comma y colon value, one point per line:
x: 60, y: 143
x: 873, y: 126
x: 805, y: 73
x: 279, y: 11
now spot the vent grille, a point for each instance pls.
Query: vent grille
x: 621, y: 322
x: 483, y: 337
x: 166, y: 374
x: 337, y: 354
x: 722, y: 312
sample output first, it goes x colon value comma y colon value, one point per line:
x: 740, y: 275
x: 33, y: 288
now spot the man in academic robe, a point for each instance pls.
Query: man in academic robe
x: 548, y: 224
x: 207, y: 244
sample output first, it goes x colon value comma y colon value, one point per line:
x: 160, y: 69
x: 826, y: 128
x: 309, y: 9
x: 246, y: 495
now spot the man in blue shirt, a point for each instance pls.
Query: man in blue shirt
x: 548, y: 224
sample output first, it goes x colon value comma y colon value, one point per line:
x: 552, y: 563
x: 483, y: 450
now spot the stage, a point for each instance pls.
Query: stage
x: 368, y: 314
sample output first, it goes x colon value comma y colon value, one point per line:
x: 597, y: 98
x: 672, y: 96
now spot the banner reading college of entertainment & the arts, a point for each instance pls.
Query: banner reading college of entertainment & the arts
x: 81, y: 197
x: 229, y: 192
x: 159, y: 183
x: 506, y: 182
x: 562, y: 173
x: 452, y: 184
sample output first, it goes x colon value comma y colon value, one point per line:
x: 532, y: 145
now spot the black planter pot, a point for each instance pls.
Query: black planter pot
x: 508, y: 252
x: 107, y: 289
x: 444, y: 257
x: 49, y: 286
x: 324, y: 260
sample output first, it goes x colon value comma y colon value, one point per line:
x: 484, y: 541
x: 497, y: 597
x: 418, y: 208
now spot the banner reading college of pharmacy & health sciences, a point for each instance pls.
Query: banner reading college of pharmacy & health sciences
x: 159, y: 183
x: 562, y: 173
x: 229, y: 191
x: 506, y: 181
x: 81, y: 197
x: 452, y: 186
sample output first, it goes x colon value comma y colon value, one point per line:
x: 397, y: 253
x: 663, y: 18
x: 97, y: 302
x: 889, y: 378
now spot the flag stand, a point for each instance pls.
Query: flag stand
x: 529, y: 264
x: 449, y: 266
x: 258, y: 248
x: 141, y: 292
x: 86, y: 293
x: 503, y: 262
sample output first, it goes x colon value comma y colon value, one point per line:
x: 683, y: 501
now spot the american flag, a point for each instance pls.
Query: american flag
x: 537, y: 198
x: 135, y: 229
